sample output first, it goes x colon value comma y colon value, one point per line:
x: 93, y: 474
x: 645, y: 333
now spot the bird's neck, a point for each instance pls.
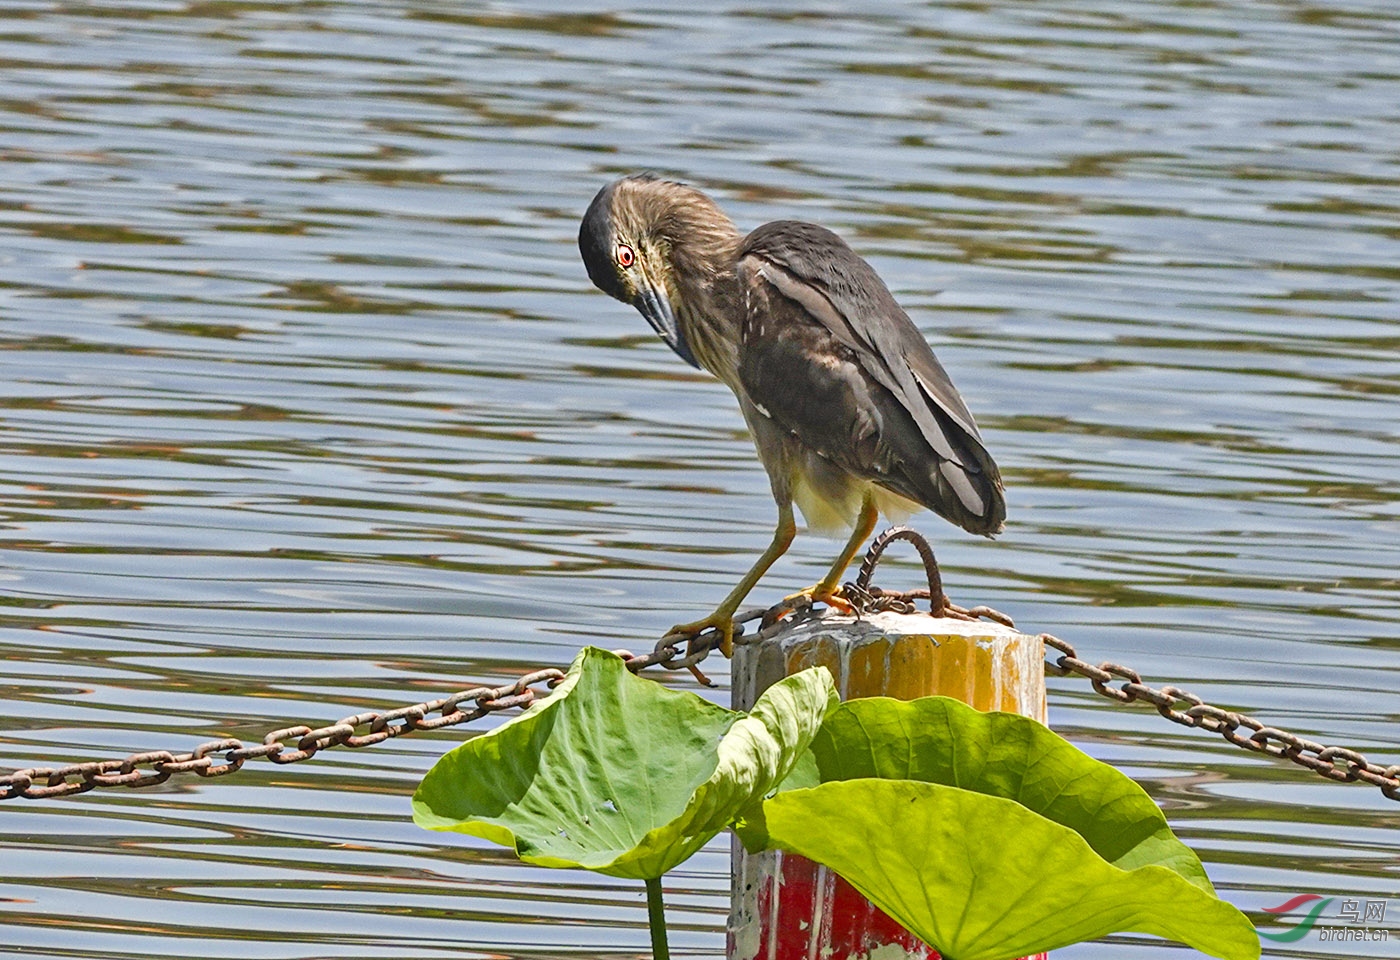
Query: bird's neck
x: 710, y: 305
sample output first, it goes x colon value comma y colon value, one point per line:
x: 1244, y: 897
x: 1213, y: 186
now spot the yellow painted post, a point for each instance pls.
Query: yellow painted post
x: 787, y: 908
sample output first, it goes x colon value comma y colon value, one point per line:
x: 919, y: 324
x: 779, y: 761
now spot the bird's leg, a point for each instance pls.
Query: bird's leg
x: 722, y: 619
x: 828, y: 589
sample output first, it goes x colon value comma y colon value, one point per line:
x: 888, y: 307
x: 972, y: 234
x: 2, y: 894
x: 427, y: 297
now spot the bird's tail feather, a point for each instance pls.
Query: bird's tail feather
x: 966, y: 491
x: 978, y: 501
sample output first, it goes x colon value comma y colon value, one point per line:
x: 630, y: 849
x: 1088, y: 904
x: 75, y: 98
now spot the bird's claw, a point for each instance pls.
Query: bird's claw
x: 720, y: 621
x: 834, y: 597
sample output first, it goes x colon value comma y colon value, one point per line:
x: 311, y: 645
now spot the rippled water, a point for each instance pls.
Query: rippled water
x: 309, y: 408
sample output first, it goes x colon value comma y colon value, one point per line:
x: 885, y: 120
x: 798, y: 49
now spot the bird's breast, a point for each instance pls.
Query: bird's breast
x: 830, y: 498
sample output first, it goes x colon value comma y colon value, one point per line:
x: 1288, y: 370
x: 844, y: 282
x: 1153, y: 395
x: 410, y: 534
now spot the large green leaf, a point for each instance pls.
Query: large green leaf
x: 940, y: 740
x: 619, y: 774
x: 979, y: 877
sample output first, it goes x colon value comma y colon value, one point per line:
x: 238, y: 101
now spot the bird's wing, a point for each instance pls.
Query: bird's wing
x: 816, y: 267
x: 838, y: 353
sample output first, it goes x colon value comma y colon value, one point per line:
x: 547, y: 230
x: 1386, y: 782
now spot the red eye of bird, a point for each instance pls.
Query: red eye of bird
x: 625, y: 257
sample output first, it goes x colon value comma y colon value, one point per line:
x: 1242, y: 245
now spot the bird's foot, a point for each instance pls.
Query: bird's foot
x: 721, y: 622
x: 834, y: 597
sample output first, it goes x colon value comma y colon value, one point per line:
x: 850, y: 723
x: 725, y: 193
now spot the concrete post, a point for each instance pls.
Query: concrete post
x: 786, y: 907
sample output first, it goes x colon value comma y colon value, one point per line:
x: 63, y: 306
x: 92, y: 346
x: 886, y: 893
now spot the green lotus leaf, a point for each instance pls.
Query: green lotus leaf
x: 940, y: 740
x: 619, y: 774
x: 980, y: 877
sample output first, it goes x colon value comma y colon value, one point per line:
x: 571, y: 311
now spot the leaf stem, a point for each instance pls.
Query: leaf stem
x: 656, y: 915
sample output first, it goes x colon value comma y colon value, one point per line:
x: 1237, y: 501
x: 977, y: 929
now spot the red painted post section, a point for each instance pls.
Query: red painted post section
x: 786, y: 907
x: 807, y: 912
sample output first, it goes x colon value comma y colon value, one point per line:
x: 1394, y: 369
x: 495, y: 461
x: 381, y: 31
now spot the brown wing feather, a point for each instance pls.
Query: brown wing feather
x: 830, y: 356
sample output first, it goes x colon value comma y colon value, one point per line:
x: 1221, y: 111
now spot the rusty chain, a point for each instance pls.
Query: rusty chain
x: 1334, y: 763
x: 870, y: 599
x: 216, y: 758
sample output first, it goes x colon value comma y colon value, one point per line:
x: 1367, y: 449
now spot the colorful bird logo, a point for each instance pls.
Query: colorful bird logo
x: 1306, y: 924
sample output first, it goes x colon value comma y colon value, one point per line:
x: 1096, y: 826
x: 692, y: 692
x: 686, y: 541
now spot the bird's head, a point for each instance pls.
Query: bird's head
x: 657, y: 245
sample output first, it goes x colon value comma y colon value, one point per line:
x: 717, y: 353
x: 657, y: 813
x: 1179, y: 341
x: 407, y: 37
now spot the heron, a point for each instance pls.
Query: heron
x: 851, y: 413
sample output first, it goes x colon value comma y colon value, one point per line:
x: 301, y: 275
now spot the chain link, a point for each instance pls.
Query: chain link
x: 1334, y: 763
x: 218, y: 758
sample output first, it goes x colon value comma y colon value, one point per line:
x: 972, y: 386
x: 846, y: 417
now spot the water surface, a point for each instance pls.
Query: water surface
x: 309, y: 408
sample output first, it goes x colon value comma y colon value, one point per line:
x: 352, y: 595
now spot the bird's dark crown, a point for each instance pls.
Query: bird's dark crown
x: 596, y: 241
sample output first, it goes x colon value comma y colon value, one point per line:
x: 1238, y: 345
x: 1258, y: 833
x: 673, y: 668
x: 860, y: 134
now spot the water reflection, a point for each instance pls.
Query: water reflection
x: 309, y: 408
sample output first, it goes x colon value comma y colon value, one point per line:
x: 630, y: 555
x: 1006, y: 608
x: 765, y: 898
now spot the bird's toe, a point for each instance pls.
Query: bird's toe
x: 833, y: 596
x: 721, y: 622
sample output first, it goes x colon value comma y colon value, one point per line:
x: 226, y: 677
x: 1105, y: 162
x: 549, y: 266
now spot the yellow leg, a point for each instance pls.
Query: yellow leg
x: 830, y: 584
x: 828, y: 589
x: 723, y: 617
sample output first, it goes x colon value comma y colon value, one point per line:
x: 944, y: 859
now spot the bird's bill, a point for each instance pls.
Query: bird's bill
x: 653, y: 304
